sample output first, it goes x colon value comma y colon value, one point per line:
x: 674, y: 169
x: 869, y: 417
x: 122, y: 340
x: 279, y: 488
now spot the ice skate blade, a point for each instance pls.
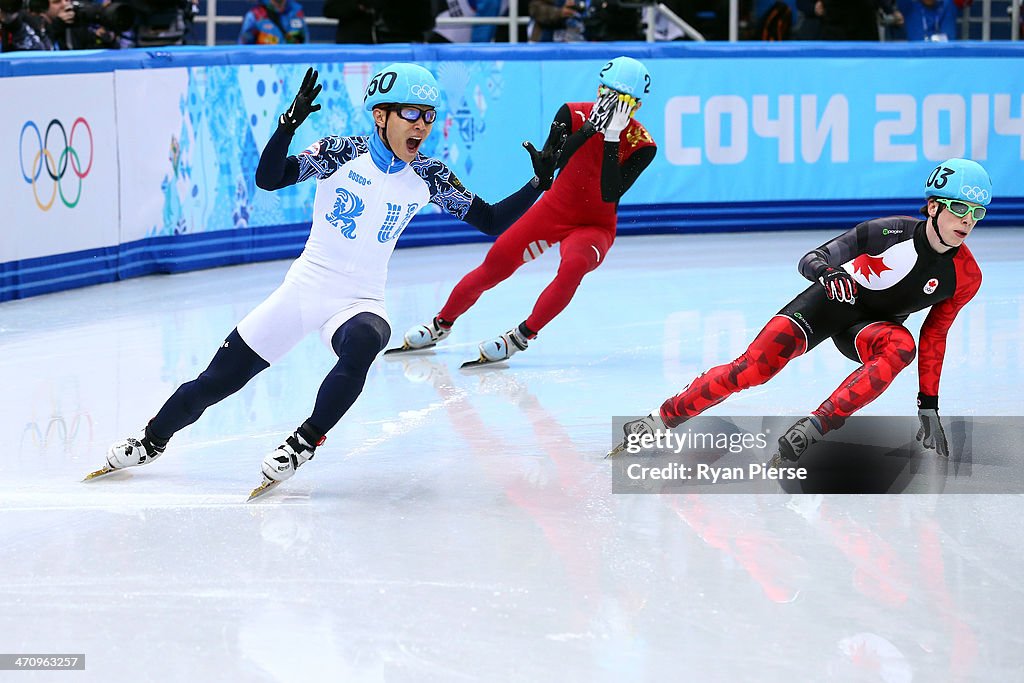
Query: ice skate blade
x: 408, y: 349
x: 615, y: 451
x: 480, y: 362
x: 101, y: 472
x: 266, y: 487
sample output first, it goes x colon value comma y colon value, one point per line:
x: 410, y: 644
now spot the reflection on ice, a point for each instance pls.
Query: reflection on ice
x: 461, y: 525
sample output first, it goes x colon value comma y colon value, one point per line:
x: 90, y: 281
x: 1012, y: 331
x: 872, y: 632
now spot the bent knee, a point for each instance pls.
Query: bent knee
x: 364, y: 334
x: 502, y: 259
x: 897, y: 345
x: 578, y: 263
x: 904, y: 347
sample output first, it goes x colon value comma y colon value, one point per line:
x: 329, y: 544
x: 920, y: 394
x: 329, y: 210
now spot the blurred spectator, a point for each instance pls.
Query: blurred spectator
x: 469, y: 8
x: 51, y: 21
x: 807, y: 25
x: 38, y: 17
x: 488, y: 8
x: 559, y: 21
x: 929, y: 19
x: 273, y: 22
x: 774, y: 19
x: 9, y: 10
x: 665, y: 29
x: 18, y: 28
x: 162, y: 22
x: 355, y: 20
x: 845, y: 19
x: 403, y: 21
x: 610, y: 20
x: 98, y: 26
x: 522, y: 35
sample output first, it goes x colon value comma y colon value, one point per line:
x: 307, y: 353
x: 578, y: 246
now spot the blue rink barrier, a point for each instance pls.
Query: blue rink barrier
x: 751, y: 137
x: 43, y: 275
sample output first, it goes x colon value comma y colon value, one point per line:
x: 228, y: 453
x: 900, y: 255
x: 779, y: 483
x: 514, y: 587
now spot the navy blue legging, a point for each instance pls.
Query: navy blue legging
x: 357, y: 342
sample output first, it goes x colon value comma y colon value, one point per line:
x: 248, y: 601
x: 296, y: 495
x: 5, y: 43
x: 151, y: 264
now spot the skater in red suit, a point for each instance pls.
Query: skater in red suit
x: 867, y: 282
x: 602, y: 158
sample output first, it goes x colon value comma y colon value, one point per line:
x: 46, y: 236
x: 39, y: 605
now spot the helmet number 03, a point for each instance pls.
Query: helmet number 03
x: 939, y: 177
x: 383, y: 82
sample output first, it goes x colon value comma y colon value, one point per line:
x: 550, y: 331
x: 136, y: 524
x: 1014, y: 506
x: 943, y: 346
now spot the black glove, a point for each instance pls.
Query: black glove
x: 302, y: 105
x: 838, y: 284
x: 546, y: 160
x: 931, y: 435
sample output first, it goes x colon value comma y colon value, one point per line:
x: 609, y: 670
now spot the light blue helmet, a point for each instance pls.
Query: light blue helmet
x: 960, y: 179
x: 402, y: 83
x: 627, y: 75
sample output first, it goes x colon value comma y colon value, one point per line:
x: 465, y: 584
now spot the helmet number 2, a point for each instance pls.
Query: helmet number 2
x: 383, y: 82
x: 647, y: 77
x: 939, y: 177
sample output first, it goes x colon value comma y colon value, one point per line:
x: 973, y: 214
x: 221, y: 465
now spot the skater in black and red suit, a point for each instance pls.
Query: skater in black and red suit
x: 602, y: 158
x: 867, y: 282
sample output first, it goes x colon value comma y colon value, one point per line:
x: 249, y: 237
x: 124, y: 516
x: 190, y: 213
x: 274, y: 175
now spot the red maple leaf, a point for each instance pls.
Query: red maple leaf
x: 868, y: 265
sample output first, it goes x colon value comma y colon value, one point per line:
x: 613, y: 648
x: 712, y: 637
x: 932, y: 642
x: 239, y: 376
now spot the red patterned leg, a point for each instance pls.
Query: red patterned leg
x: 780, y: 341
x: 885, y: 348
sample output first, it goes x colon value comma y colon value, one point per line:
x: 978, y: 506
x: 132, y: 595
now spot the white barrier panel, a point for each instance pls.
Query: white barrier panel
x: 60, y: 193
x: 154, y: 167
x: 767, y: 137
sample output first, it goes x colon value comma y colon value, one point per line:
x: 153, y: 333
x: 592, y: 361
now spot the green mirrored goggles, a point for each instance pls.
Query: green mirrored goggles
x: 961, y: 209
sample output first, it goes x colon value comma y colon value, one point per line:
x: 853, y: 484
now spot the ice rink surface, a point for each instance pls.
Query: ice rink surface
x: 460, y: 525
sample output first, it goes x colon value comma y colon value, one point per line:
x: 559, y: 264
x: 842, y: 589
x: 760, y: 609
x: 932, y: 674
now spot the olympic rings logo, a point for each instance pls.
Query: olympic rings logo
x: 55, y: 161
x: 621, y: 87
x: 58, y: 432
x: 973, y: 193
x: 427, y: 92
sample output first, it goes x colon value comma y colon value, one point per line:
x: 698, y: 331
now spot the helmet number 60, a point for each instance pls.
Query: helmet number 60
x: 383, y: 82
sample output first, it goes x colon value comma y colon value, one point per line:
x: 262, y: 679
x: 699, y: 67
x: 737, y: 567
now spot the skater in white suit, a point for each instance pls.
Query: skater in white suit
x: 368, y: 189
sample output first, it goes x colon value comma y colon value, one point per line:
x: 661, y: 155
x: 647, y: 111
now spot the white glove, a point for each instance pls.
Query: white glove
x: 621, y: 113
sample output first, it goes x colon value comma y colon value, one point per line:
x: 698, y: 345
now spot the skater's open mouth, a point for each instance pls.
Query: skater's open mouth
x: 413, y: 144
x: 961, y: 234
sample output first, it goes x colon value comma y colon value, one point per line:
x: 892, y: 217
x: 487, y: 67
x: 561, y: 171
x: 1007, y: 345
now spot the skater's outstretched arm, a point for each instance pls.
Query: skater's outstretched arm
x: 574, y: 141
x: 448, y: 193
x: 495, y: 219
x: 276, y: 169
